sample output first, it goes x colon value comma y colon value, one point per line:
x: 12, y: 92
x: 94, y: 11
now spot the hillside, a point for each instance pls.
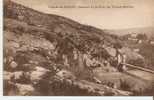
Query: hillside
x: 46, y: 54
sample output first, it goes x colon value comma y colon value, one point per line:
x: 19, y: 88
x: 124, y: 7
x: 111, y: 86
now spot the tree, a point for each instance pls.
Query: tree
x: 117, y: 45
x: 141, y: 36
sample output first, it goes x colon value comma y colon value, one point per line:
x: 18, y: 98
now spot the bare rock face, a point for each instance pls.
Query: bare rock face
x: 18, y: 74
x: 13, y: 64
x: 64, y: 74
x: 25, y: 89
x: 37, y: 74
x: 111, y: 51
x: 7, y: 75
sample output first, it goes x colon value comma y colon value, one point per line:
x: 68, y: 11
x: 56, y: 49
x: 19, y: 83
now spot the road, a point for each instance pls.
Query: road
x: 142, y: 74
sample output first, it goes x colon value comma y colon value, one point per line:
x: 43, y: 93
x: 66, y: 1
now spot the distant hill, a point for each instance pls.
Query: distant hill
x: 149, y: 31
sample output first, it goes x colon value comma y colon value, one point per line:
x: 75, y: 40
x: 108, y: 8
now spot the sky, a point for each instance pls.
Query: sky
x: 139, y: 14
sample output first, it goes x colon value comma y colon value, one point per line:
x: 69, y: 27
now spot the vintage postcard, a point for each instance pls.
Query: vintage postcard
x: 78, y: 48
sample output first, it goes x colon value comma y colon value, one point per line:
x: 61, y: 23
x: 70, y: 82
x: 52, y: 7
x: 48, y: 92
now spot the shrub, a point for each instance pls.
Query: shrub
x: 137, y: 62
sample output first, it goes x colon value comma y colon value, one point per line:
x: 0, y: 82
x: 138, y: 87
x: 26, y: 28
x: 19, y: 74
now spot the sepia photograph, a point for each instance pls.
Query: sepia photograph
x: 78, y: 48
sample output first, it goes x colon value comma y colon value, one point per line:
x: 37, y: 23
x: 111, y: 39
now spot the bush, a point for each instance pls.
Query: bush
x: 137, y: 62
x: 124, y: 85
